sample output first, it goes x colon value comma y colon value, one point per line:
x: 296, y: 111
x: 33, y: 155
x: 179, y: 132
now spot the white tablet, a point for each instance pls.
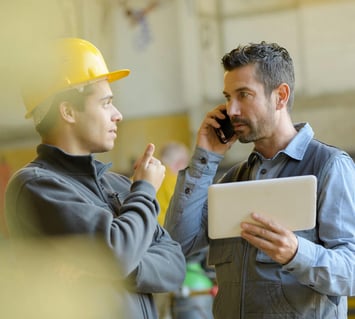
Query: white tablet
x: 290, y: 201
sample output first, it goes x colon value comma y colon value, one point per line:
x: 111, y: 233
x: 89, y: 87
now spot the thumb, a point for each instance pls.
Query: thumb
x: 148, y: 153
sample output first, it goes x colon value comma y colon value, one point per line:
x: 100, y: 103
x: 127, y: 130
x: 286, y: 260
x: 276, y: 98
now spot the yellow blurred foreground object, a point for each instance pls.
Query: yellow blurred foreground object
x: 71, y: 278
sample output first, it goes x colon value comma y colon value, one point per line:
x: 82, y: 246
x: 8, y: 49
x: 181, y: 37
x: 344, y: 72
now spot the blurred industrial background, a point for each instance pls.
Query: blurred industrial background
x: 173, y: 48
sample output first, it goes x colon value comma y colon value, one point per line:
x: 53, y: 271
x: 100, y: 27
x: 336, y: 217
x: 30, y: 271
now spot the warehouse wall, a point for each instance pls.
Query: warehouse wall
x: 174, y: 54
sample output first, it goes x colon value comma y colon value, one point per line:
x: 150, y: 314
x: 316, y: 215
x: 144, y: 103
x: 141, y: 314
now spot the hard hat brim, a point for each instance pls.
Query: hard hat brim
x: 110, y: 77
x: 117, y: 75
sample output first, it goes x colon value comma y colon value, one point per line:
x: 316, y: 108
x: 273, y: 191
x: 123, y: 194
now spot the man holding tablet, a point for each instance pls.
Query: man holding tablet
x: 270, y: 271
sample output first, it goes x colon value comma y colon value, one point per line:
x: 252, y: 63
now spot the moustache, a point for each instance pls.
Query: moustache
x: 237, y: 120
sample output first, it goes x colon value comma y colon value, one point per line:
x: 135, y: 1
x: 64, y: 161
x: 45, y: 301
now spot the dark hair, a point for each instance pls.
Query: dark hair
x: 273, y: 65
x: 75, y: 97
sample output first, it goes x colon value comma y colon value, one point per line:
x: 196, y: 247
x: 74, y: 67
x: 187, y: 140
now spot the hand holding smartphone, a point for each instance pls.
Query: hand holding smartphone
x: 226, y: 131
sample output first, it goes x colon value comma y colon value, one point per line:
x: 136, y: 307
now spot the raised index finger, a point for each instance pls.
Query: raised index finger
x: 148, y: 153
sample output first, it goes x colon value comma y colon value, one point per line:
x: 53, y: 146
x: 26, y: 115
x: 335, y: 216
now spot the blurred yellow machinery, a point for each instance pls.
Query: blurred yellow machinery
x: 351, y: 307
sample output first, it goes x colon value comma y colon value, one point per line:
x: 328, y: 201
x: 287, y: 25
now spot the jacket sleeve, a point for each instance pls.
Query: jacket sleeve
x: 42, y: 204
x: 163, y: 267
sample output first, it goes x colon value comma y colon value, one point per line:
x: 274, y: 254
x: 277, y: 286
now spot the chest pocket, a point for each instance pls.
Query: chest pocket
x: 225, y: 256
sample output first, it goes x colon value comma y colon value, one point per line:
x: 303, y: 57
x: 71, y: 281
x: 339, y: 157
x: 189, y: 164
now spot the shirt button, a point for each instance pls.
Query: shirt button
x: 290, y: 269
x: 187, y: 190
x: 203, y: 160
x: 263, y: 171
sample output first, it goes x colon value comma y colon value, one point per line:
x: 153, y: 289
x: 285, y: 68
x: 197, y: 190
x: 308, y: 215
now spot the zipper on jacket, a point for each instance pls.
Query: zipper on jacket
x: 115, y: 203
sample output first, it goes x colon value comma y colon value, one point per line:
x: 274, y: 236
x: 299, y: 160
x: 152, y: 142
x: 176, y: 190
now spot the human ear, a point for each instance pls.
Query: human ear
x: 67, y: 112
x: 282, y: 95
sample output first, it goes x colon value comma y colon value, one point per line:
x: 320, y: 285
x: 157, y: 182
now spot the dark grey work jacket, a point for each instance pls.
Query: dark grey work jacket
x: 59, y: 194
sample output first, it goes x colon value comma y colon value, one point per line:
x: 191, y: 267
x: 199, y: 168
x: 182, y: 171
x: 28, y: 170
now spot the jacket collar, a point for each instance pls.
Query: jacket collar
x: 57, y: 159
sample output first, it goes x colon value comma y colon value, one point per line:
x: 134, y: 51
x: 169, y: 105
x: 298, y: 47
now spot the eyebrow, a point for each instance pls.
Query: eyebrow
x: 107, y: 97
x: 244, y: 88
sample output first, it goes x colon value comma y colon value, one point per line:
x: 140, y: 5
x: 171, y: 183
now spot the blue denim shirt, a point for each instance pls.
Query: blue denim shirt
x: 323, y: 269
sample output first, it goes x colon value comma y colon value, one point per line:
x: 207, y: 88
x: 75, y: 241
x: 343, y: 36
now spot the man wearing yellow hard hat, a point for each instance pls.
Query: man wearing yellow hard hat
x: 65, y: 191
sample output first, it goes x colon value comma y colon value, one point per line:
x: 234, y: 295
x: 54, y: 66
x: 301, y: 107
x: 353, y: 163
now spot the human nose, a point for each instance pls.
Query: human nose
x: 117, y: 115
x: 233, y: 108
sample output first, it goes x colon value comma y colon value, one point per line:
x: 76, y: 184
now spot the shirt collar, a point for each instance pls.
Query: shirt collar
x: 295, y: 149
x: 298, y: 145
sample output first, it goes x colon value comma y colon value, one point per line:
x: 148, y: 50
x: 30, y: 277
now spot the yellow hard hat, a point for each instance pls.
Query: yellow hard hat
x: 69, y: 63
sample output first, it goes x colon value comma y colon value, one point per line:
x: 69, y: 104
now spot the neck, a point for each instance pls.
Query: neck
x: 277, y: 141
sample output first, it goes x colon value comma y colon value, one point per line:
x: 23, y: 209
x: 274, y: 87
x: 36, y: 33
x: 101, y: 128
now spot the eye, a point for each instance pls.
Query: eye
x: 227, y: 97
x: 107, y: 102
x: 244, y: 94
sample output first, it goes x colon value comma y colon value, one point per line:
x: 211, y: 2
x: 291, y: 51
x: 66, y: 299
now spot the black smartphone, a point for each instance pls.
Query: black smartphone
x: 226, y: 131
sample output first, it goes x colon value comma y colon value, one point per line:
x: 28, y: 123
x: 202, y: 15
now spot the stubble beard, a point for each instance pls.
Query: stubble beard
x: 243, y: 136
